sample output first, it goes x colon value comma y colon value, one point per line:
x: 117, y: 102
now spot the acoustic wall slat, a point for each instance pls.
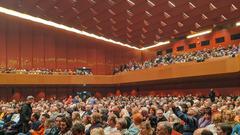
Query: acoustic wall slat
x: 60, y: 47
x: 12, y: 44
x: 26, y: 47
x: 38, y: 49
x: 50, y: 56
x: 2, y: 43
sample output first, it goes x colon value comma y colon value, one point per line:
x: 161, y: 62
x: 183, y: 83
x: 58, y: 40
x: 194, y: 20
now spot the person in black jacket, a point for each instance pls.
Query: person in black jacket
x: 25, y: 115
x: 212, y: 95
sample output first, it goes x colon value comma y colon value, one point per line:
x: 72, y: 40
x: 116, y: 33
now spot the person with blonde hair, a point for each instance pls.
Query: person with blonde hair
x: 76, y: 118
x: 97, y: 131
x: 145, y: 128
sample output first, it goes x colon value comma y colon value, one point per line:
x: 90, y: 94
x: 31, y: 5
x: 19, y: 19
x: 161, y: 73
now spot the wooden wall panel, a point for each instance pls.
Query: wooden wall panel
x: 92, y: 57
x: 60, y: 47
x: 38, y: 49
x: 109, y: 60
x: 50, y: 56
x: 26, y: 47
x: 81, y: 54
x: 3, y: 43
x: 12, y: 44
x: 100, y: 60
x: 71, y: 53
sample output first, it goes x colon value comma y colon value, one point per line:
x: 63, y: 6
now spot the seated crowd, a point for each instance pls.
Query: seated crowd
x: 43, y: 71
x: 122, y: 115
x: 198, y: 56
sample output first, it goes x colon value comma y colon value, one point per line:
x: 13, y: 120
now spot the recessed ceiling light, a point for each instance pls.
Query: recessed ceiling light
x: 111, y: 12
x: 129, y: 22
x: 185, y: 16
x: 223, y: 18
x: 146, y: 22
x: 111, y: 2
x: 144, y: 30
x: 157, y: 37
x: 171, y: 5
x: 93, y: 11
x: 114, y: 28
x: 131, y: 3
x: 75, y: 10
x: 98, y: 27
x: 204, y: 17
x: 163, y: 23
x: 129, y: 30
x: 160, y: 31
x: 92, y: 1
x: 175, y: 31
x: 143, y: 37
x: 166, y: 15
x: 233, y: 8
x: 84, y: 27
x: 112, y: 21
x: 212, y: 7
x: 197, y: 25
x: 191, y: 5
x: 180, y: 24
x: 150, y: 3
x: 129, y: 13
x: 37, y: 6
x: 55, y: 7
x: 148, y: 14
x: 96, y: 20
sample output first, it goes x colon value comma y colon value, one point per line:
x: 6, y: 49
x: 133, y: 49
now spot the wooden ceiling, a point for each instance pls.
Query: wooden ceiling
x: 138, y: 23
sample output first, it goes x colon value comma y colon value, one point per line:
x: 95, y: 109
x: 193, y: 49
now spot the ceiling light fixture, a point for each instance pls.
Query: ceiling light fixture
x: 111, y: 12
x: 93, y: 11
x: 238, y: 24
x: 60, y: 26
x: 171, y: 5
x: 200, y: 33
x: 233, y: 8
x: 150, y: 3
x: 131, y: 3
x: 148, y: 14
x: 111, y: 2
x: 156, y: 45
x: 191, y: 5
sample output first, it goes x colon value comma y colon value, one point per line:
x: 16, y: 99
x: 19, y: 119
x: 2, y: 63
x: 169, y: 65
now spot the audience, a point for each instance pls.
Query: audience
x: 198, y: 56
x: 122, y: 115
x: 44, y: 71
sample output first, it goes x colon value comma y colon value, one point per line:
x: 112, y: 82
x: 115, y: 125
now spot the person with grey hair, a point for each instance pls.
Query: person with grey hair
x: 164, y: 128
x: 25, y: 115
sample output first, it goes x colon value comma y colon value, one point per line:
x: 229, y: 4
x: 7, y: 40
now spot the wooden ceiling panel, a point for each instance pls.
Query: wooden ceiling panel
x: 135, y: 22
